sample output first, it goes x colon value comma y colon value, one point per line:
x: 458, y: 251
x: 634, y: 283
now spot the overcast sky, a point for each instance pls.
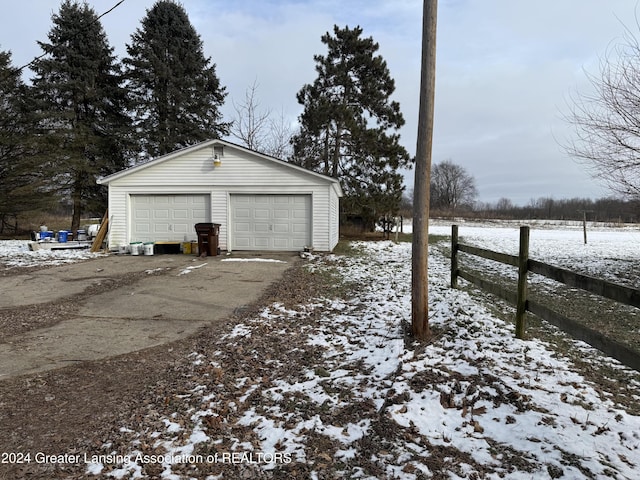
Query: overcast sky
x: 505, y: 69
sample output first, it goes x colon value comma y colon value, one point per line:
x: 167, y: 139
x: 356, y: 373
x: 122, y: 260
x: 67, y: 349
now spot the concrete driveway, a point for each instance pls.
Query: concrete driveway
x: 127, y: 303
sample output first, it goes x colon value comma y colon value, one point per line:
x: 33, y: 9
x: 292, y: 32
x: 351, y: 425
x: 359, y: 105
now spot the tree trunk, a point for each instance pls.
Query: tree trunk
x: 336, y: 153
x: 76, y: 198
x: 77, y: 211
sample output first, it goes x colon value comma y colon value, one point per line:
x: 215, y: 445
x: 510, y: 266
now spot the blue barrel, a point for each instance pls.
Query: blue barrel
x: 62, y: 236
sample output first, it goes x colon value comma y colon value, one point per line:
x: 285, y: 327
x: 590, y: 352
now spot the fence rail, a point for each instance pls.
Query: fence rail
x: 619, y: 293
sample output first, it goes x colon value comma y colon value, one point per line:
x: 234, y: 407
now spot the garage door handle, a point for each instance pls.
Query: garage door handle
x: 271, y: 228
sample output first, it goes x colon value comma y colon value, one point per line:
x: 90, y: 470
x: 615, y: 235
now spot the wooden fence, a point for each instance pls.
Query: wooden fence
x: 619, y: 293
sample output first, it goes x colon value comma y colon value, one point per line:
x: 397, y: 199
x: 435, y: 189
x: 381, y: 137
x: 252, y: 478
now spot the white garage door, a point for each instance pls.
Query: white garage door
x: 271, y: 222
x: 157, y: 218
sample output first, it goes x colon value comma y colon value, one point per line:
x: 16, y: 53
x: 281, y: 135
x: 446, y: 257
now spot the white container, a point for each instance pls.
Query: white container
x: 148, y: 248
x: 92, y: 230
x: 136, y: 248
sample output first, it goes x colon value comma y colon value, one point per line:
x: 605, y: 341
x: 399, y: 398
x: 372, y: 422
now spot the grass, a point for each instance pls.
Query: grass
x: 345, y: 247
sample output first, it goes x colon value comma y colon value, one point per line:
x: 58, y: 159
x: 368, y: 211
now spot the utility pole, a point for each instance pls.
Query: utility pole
x: 420, y: 246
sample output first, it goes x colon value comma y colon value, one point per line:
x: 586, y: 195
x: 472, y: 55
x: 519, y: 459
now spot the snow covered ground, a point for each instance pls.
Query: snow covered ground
x: 558, y: 244
x: 473, y: 403
x: 16, y: 253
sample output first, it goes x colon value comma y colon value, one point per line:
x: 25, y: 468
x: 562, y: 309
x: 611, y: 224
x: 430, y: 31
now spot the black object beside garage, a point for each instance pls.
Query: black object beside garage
x: 208, y: 234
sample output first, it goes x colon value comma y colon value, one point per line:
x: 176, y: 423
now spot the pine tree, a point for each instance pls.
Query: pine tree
x: 175, y: 90
x: 19, y: 176
x: 345, y: 125
x: 83, y: 124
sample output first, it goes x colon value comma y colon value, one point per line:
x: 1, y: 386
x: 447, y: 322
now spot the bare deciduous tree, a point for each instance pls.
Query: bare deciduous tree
x: 258, y: 130
x: 607, y: 121
x: 451, y: 186
x: 250, y: 123
x: 279, y: 139
x: 504, y: 204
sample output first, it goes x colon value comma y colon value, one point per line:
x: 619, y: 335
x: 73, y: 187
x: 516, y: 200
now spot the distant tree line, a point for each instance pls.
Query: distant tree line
x: 453, y: 193
x: 547, y: 208
x: 87, y: 114
x: 607, y: 209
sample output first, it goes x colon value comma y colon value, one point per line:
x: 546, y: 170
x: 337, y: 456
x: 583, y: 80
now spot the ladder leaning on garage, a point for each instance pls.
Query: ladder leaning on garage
x: 102, y: 232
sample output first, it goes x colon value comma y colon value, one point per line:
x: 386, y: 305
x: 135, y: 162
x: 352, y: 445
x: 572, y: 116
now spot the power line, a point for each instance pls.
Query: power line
x: 97, y: 19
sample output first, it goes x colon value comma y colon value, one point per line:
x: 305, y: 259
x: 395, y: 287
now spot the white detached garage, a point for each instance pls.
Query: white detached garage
x: 260, y: 202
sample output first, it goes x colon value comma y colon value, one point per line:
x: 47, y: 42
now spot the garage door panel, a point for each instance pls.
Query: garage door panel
x: 242, y: 227
x: 141, y: 213
x: 180, y: 214
x: 281, y: 243
x: 244, y: 243
x: 282, y: 214
x: 261, y: 214
x: 182, y: 228
x: 241, y: 213
x: 261, y: 243
x: 167, y: 217
x: 271, y: 222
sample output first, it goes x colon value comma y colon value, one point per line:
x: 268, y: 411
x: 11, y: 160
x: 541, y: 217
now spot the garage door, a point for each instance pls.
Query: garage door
x: 271, y: 222
x: 156, y: 218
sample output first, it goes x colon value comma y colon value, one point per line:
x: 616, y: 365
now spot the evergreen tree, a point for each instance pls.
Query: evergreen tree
x: 175, y: 90
x: 345, y: 125
x: 19, y: 176
x: 83, y: 124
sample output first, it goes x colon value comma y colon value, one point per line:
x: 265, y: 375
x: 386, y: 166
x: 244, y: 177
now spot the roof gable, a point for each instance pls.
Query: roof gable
x: 256, y: 156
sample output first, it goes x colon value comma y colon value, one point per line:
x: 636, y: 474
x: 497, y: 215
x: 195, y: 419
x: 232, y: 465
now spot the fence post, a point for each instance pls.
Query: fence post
x: 523, y: 267
x: 454, y: 256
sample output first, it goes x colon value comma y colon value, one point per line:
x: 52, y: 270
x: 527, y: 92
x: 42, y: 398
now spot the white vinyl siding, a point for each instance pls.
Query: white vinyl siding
x: 334, y: 221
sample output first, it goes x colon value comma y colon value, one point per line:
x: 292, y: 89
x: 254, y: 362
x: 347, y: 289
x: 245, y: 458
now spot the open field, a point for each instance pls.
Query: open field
x: 612, y: 253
